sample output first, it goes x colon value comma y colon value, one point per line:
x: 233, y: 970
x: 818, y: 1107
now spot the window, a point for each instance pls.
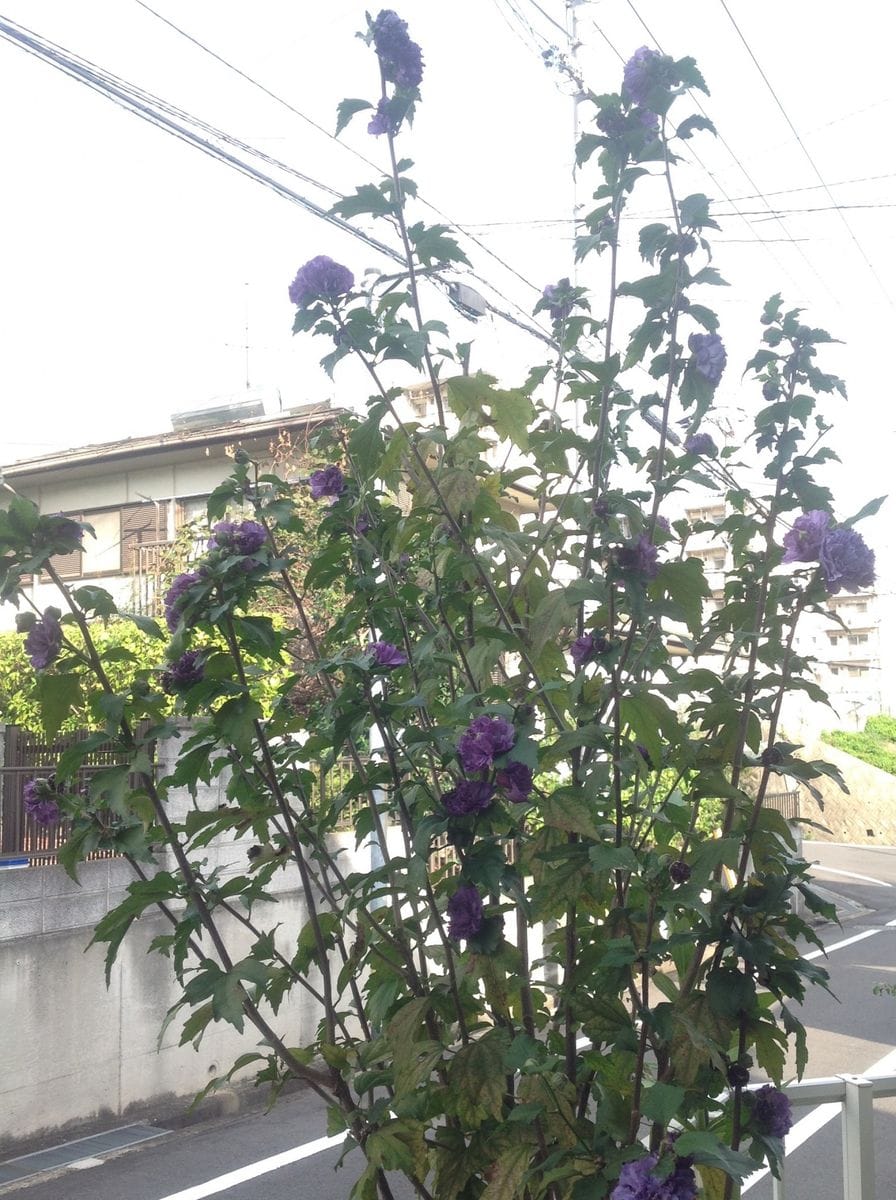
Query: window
x: 421, y: 399
x: 856, y: 639
x: 707, y: 512
x: 119, y: 533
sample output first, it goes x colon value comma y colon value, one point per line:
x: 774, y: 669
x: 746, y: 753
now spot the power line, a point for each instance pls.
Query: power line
x: 746, y: 175
x: 151, y: 109
x: 347, y: 148
x: 808, y: 156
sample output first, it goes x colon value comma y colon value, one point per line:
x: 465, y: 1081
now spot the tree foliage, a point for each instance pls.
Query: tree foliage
x: 532, y: 980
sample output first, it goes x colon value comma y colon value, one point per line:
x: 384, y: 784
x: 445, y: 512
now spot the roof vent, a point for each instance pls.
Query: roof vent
x: 219, y: 414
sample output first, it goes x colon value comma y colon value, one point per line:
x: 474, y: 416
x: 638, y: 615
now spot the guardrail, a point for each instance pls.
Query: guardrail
x: 854, y: 1095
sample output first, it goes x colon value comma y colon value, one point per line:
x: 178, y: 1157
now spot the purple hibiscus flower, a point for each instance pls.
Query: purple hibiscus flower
x: 640, y: 75
x: 558, y: 297
x: 183, y: 673
x: 847, y: 562
x: 328, y: 481
x: 484, y: 739
x: 238, y: 537
x: 639, y: 557
x: 387, y: 655
x: 587, y: 647
x: 177, y: 597
x: 39, y: 802
x: 709, y: 354
x: 470, y: 796
x: 400, y: 58
x: 702, y: 445
x: 637, y: 1181
x: 515, y: 781
x: 382, y: 121
x: 803, y: 542
x: 465, y: 915
x: 771, y: 1112
x: 44, y: 640
x: 320, y: 279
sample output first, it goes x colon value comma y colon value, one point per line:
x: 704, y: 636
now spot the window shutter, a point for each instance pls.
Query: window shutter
x: 67, y: 566
x: 140, y: 523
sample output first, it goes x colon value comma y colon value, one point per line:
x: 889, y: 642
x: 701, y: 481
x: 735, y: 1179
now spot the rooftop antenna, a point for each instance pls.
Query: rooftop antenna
x: 246, y: 347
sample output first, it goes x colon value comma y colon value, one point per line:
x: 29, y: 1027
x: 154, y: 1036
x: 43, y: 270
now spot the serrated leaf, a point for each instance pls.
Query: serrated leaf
x: 346, y: 109
x: 570, y: 811
x: 58, y: 695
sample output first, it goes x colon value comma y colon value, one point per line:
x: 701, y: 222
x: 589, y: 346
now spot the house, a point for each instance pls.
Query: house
x: 138, y: 493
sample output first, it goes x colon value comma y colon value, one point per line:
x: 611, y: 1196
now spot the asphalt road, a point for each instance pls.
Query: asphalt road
x: 848, y: 1032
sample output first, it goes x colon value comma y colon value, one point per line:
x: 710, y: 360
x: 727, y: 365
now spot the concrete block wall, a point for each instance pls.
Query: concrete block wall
x: 74, y: 1051
x: 865, y: 816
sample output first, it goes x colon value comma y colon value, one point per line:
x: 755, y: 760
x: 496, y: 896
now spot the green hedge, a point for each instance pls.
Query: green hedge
x: 869, y: 746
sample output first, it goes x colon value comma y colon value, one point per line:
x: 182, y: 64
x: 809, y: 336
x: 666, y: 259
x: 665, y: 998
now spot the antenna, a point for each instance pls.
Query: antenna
x: 246, y: 347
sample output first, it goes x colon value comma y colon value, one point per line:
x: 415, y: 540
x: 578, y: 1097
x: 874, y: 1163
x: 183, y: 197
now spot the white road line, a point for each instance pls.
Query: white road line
x: 851, y: 875
x: 264, y: 1166
x: 817, y: 1119
x: 856, y: 937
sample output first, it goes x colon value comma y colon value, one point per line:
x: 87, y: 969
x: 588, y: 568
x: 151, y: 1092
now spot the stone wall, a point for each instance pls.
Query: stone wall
x: 865, y: 816
x: 74, y: 1051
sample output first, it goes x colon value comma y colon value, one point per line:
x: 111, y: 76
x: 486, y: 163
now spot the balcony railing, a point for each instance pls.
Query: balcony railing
x: 854, y: 1096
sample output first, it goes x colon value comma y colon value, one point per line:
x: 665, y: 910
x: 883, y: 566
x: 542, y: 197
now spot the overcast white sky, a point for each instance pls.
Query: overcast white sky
x: 128, y: 257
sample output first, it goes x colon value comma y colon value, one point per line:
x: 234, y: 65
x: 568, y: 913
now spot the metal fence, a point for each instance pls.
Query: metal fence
x: 854, y: 1095
x: 29, y: 756
x: 786, y: 803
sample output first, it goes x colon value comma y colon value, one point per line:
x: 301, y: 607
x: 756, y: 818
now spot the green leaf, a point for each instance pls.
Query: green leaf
x: 507, y: 1174
x: 346, y: 109
x: 569, y: 810
x: 661, y: 1102
x: 432, y: 245
x: 145, y: 624
x: 552, y: 614
x: 366, y: 200
x: 476, y: 1079
x: 706, y: 1148
x: 58, y: 695
x: 686, y: 584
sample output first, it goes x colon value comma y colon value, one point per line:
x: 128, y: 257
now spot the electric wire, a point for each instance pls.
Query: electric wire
x: 807, y: 155
x: 141, y: 104
x: 347, y: 148
x: 723, y: 141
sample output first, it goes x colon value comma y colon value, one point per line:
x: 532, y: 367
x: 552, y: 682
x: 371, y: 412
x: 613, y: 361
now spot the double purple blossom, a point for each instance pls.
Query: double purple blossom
x: 470, y: 796
x: 709, y: 355
x: 328, y: 481
x: 483, y: 741
x: 39, y: 801
x: 44, y: 640
x: 637, y: 1181
x: 238, y: 537
x: 558, y: 297
x: 587, y: 647
x: 641, y: 74
x: 847, y: 562
x: 385, y: 654
x: 639, y: 557
x: 178, y: 597
x: 702, y: 445
x: 400, y: 58
x: 771, y: 1112
x: 515, y: 781
x: 183, y: 673
x: 465, y: 915
x: 320, y: 279
x: 803, y: 542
